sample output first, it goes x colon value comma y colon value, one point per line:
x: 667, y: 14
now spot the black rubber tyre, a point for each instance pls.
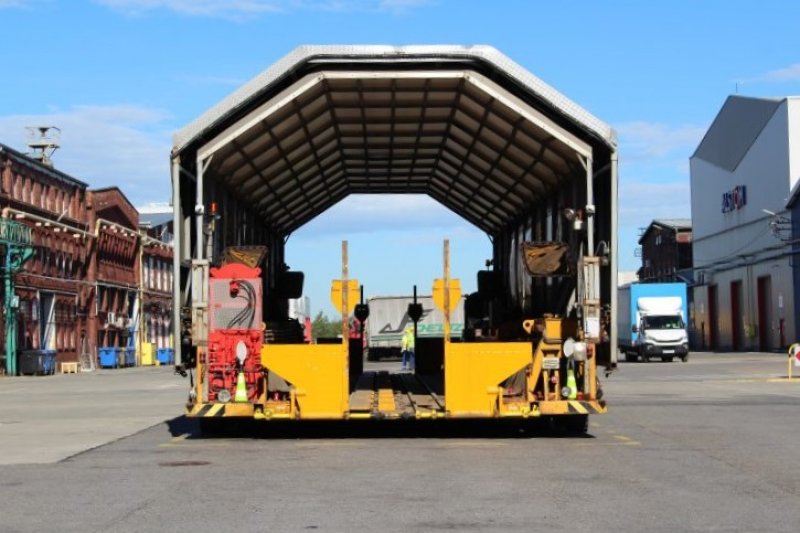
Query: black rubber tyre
x: 685, y: 358
x: 646, y: 358
x: 667, y: 359
x: 631, y: 357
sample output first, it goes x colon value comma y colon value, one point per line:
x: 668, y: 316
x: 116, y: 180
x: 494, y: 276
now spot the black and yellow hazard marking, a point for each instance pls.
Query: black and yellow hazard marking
x: 582, y: 408
x: 209, y: 410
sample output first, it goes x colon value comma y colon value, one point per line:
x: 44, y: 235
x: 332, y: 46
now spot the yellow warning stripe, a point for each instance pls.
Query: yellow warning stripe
x: 578, y: 407
x: 208, y: 410
x: 386, y: 401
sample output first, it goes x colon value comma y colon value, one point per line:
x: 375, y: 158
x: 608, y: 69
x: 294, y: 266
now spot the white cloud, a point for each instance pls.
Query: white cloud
x: 243, y: 9
x: 123, y: 145
x: 654, y: 178
x: 383, y: 212
x: 18, y: 3
x: 402, y: 6
x: 642, y: 201
x: 790, y: 73
x: 208, y: 8
x: 640, y: 140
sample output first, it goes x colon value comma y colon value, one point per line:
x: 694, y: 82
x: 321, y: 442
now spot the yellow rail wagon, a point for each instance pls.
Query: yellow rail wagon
x: 464, y: 125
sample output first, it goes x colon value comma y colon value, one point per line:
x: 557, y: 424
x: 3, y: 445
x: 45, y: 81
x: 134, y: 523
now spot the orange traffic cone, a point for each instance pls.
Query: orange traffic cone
x: 241, y: 389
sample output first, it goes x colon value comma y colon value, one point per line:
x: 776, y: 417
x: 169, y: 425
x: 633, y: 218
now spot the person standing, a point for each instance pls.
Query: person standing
x: 407, y: 349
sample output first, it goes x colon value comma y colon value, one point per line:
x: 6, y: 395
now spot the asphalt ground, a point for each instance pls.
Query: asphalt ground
x: 44, y: 419
x: 708, y: 445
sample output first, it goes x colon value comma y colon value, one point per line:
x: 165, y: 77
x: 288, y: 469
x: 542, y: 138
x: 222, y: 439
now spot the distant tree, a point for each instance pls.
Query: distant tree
x: 322, y: 326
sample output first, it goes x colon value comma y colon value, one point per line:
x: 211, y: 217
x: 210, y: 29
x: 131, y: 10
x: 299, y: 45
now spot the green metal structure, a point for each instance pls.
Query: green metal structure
x: 18, y: 243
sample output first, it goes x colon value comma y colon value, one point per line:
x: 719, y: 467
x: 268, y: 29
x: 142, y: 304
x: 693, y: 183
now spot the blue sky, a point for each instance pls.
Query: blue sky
x: 120, y: 76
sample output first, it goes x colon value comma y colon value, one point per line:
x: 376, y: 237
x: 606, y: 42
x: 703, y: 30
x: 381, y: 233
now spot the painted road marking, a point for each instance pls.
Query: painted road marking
x: 763, y: 380
x: 181, y: 442
x: 592, y: 444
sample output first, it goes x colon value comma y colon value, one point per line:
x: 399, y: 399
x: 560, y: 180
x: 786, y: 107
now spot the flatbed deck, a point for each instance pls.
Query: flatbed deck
x: 385, y: 394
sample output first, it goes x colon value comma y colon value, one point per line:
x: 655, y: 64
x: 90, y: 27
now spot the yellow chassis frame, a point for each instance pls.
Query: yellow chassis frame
x: 318, y: 374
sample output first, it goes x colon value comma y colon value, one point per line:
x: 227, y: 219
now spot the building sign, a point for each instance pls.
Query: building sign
x: 734, y: 199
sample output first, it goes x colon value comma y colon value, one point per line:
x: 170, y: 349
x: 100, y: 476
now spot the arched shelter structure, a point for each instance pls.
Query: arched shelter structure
x: 464, y: 125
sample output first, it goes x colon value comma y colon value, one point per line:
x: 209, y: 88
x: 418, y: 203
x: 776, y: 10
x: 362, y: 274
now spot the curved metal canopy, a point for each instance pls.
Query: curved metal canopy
x: 464, y: 125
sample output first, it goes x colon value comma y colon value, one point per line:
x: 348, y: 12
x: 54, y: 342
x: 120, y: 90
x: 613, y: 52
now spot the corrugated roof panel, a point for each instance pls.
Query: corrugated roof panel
x: 457, y: 135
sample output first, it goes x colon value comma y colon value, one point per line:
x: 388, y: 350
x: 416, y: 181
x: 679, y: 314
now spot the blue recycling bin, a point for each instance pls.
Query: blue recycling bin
x: 164, y: 356
x: 108, y: 357
x: 130, y: 356
x: 49, y: 361
x: 120, y: 357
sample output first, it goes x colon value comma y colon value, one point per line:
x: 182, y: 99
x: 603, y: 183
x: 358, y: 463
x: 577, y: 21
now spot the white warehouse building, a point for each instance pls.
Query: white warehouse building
x: 742, y: 171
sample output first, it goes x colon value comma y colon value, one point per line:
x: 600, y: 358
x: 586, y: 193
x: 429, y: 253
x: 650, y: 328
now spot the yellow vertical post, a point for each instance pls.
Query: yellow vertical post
x: 199, y: 372
x: 793, y: 349
x: 345, y: 291
x: 345, y: 379
x: 446, y: 290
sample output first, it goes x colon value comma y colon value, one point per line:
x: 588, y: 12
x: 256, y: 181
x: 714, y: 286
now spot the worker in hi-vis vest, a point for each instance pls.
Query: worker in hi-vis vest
x: 407, y: 349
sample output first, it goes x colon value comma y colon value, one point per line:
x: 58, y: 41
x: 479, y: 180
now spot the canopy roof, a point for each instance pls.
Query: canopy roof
x: 465, y: 125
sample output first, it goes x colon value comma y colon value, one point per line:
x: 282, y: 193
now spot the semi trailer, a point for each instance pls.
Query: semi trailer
x: 465, y: 125
x: 389, y: 318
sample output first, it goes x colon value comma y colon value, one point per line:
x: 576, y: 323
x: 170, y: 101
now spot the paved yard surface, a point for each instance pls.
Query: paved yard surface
x: 48, y: 418
x: 708, y: 445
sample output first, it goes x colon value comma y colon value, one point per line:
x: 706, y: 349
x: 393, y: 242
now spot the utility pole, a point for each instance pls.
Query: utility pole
x: 16, y: 238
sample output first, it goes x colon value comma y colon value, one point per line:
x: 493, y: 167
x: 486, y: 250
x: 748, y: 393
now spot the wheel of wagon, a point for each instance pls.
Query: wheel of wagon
x: 685, y: 358
x: 631, y: 357
x: 576, y: 424
x: 666, y: 358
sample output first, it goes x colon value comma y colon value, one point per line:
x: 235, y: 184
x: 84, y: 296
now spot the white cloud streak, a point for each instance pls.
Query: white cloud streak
x: 18, y: 3
x: 781, y: 75
x: 640, y: 140
x: 123, y: 145
x: 642, y: 201
x: 383, y: 212
x: 245, y: 9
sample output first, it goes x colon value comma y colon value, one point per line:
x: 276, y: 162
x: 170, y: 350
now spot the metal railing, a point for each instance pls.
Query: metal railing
x: 12, y: 232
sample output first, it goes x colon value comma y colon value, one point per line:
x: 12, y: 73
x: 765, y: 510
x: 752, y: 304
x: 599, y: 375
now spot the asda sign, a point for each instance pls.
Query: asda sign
x: 734, y: 199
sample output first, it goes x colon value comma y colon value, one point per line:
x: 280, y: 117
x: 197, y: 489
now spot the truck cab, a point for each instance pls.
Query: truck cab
x: 662, y: 335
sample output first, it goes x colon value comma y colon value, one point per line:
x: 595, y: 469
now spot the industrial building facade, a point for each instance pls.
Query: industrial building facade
x: 49, y: 291
x: 84, y: 285
x: 741, y: 176
x: 666, y: 247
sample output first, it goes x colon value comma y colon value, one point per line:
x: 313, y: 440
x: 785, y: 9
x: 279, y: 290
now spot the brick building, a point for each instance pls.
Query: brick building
x: 114, y: 269
x: 52, y: 296
x: 666, y: 250
x: 93, y: 273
